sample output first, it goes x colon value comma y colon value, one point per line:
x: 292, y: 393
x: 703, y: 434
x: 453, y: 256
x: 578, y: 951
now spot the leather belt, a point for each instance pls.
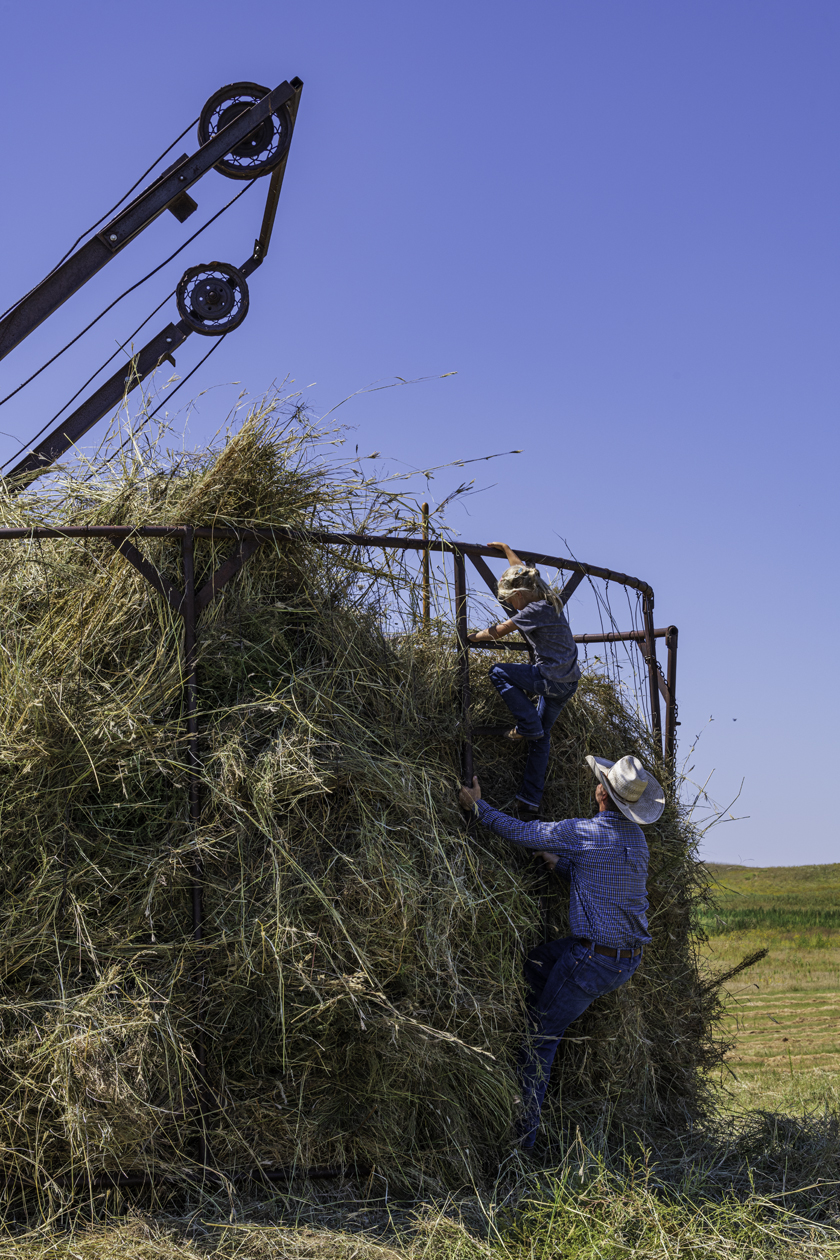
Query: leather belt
x: 612, y: 953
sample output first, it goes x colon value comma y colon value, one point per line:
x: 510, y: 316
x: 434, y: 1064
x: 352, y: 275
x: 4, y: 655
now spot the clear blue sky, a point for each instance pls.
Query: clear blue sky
x: 617, y: 222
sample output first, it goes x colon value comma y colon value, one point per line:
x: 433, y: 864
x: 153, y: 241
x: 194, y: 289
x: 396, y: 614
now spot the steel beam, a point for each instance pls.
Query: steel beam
x: 484, y: 570
x: 671, y: 722
x: 571, y: 586
x: 649, y: 652
x: 106, y: 399
x: 263, y: 241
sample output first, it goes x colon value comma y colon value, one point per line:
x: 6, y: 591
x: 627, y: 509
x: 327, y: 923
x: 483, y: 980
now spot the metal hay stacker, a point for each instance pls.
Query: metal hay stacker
x: 244, y: 133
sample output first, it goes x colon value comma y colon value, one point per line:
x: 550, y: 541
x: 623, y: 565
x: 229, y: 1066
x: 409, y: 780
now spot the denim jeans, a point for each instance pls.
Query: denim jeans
x: 512, y: 683
x: 563, y: 978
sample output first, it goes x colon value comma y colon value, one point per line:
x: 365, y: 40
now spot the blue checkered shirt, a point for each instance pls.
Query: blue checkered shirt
x: 606, y: 858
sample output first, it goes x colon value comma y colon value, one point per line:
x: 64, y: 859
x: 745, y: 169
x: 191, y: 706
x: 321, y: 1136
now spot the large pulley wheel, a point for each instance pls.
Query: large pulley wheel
x: 259, y: 152
x: 212, y: 299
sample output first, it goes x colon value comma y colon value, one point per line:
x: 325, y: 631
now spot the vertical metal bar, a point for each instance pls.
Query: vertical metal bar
x: 545, y: 908
x: 191, y: 709
x: 425, y: 568
x: 463, y: 664
x: 653, y: 671
x: 671, y: 681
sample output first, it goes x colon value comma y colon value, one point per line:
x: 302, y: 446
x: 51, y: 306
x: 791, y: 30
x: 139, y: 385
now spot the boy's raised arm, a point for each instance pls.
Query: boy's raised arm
x: 512, y: 557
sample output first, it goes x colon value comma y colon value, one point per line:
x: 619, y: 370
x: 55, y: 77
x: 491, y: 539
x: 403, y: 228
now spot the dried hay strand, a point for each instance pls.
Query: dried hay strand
x: 358, y: 976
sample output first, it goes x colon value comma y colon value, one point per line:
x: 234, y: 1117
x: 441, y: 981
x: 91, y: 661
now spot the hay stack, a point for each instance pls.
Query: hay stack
x: 359, y: 973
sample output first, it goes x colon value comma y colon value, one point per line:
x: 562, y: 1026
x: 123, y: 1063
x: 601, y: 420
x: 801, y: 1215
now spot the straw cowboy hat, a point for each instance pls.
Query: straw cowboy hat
x: 634, y: 789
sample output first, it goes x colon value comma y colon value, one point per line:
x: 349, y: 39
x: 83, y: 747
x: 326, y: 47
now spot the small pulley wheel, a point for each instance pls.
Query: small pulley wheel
x: 212, y: 299
x: 259, y: 152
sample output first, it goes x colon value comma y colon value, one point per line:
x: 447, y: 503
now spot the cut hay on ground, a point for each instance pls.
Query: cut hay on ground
x: 359, y: 975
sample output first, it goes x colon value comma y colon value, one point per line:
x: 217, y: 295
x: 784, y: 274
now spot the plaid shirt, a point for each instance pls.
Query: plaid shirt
x: 606, y: 858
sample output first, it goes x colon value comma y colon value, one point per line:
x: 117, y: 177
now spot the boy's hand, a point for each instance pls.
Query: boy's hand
x: 550, y: 859
x: 467, y: 797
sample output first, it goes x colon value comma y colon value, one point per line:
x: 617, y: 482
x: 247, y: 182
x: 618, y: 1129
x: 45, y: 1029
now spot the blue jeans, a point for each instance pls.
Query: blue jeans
x: 512, y: 683
x: 563, y: 978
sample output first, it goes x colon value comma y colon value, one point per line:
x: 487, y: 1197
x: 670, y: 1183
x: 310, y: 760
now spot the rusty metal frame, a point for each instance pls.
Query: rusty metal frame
x: 189, y: 603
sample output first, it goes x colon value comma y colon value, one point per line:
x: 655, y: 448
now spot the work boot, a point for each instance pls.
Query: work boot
x: 526, y: 813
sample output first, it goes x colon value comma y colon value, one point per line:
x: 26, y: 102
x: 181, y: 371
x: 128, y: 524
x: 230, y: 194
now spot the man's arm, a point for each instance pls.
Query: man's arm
x: 556, y: 838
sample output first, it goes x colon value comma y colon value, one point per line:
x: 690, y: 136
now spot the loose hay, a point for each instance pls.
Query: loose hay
x: 359, y: 974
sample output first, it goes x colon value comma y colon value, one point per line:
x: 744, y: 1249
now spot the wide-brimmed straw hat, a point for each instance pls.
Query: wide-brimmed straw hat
x: 631, y: 786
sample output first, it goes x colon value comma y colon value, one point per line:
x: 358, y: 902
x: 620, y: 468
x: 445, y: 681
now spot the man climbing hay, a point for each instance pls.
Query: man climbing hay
x: 606, y: 859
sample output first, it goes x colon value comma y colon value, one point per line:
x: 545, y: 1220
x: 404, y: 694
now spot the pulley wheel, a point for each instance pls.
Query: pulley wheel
x: 212, y: 299
x: 260, y: 151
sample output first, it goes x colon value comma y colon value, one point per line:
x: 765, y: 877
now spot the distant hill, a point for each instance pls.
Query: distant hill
x: 786, y: 898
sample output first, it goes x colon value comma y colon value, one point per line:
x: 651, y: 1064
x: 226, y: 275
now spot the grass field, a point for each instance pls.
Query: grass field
x: 784, y: 1011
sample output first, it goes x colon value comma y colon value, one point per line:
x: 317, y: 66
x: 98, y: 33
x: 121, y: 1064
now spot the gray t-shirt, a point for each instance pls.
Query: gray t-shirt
x: 547, y: 631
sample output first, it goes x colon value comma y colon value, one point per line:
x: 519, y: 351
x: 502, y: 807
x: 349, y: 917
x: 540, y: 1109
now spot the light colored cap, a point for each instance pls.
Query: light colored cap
x: 634, y: 789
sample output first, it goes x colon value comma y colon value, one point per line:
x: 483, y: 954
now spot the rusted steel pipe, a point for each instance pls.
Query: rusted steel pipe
x: 649, y: 649
x: 621, y: 636
x: 671, y: 722
x: 426, y: 608
x: 617, y: 636
x: 463, y: 664
x: 317, y: 536
x: 191, y: 711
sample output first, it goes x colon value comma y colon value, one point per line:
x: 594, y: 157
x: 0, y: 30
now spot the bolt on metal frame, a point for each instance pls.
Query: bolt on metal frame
x: 189, y: 603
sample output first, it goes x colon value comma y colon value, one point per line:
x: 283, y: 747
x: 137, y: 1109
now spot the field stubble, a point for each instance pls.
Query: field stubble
x: 784, y: 1013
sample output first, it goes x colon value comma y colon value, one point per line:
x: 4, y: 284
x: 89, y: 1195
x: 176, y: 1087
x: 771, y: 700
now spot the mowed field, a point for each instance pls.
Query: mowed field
x: 785, y: 1011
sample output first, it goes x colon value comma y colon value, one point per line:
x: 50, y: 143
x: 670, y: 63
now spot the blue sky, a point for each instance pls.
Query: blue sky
x: 616, y: 221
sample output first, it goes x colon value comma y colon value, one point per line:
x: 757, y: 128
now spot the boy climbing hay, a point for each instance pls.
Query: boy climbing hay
x: 552, y: 678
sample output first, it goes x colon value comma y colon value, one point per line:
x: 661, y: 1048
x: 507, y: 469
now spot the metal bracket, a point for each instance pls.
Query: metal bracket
x: 275, y: 186
x: 243, y: 552
x: 486, y: 572
x: 571, y: 586
x: 175, y: 597
x: 170, y: 592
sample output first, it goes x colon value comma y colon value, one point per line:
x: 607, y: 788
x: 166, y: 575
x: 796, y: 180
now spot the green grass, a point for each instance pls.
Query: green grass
x: 784, y: 1013
x: 774, y: 898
